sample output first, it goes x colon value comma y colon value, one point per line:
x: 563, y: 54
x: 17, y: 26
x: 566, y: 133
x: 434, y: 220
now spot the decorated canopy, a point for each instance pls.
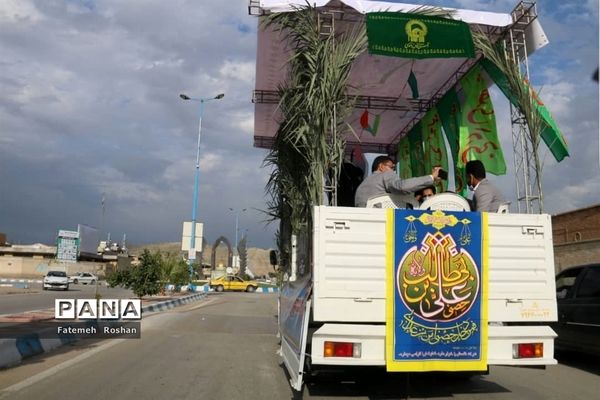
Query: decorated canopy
x: 388, y: 105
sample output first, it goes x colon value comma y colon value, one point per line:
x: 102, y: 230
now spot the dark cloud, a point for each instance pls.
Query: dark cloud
x: 89, y: 105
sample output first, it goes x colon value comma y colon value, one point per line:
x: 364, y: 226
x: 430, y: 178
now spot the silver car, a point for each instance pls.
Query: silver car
x: 83, y: 277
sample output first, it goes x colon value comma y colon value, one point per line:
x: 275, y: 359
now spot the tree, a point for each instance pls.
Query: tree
x: 243, y: 255
x: 167, y: 265
x: 180, y: 274
x: 143, y: 279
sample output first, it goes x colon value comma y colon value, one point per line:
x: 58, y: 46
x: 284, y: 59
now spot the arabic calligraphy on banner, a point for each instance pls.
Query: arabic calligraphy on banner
x: 437, y: 291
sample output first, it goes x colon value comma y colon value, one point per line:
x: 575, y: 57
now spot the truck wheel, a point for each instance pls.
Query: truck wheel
x: 93, y: 281
x: 219, y: 288
x: 75, y: 281
x: 250, y: 289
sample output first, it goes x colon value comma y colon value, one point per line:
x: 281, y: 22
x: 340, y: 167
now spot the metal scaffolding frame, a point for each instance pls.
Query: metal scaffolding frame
x: 528, y: 179
x: 527, y: 176
x: 417, y: 107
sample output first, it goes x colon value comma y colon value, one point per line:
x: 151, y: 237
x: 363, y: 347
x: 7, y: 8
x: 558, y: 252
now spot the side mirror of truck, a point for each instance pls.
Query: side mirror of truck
x: 273, y: 257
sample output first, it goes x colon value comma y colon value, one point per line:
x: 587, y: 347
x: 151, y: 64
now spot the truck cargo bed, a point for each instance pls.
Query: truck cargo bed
x: 350, y: 270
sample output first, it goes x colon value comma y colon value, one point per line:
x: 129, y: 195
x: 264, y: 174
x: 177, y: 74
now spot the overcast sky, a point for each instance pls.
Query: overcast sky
x: 89, y: 105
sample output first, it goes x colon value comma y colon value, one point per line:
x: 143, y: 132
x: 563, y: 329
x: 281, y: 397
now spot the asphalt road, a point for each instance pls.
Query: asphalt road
x: 225, y: 348
x: 35, y: 298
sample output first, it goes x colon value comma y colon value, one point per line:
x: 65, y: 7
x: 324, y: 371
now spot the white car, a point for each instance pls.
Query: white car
x: 56, y: 280
x: 83, y: 277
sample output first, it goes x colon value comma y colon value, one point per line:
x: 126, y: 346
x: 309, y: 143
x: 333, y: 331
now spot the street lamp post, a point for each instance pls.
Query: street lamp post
x: 201, y: 100
x: 237, y: 216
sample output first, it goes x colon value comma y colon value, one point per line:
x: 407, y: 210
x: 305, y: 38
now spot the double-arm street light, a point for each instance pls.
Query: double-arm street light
x: 192, y: 255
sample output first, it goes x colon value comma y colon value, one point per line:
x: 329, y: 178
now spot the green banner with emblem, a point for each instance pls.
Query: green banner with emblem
x: 418, y: 36
x: 415, y: 140
x: 478, y: 135
x: 450, y: 114
x: 404, y: 161
x: 551, y: 133
x: 434, y: 148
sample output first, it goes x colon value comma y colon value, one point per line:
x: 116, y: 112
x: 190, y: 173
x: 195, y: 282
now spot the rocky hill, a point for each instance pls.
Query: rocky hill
x: 258, y: 259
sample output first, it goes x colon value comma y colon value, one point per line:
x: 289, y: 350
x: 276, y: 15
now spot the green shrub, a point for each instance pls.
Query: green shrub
x: 144, y: 279
x: 180, y: 274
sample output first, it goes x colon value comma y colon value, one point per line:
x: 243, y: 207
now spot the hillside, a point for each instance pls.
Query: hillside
x: 258, y: 259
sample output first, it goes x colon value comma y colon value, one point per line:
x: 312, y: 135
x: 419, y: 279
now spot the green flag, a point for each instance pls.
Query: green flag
x: 478, y: 136
x: 450, y: 114
x: 418, y: 36
x: 551, y: 134
x: 416, y: 151
x: 434, y: 147
x: 414, y: 86
x: 404, y: 158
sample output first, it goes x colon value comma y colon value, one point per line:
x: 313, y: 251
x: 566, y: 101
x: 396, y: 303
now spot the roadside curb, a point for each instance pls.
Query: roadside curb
x: 166, y: 305
x: 4, y: 280
x: 267, y: 290
x: 13, y: 351
x: 205, y: 289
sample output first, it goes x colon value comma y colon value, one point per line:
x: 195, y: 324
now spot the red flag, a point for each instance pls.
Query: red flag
x: 364, y: 119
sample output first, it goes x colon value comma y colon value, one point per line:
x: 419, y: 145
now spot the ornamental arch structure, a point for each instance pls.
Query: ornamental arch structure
x: 213, y: 260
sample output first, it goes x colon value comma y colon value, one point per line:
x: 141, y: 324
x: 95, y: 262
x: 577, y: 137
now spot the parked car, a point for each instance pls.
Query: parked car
x: 578, y: 300
x: 56, y: 280
x: 232, y: 282
x: 83, y: 277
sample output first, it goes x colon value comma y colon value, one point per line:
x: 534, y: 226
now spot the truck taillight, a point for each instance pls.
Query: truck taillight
x: 528, y: 350
x: 342, y: 349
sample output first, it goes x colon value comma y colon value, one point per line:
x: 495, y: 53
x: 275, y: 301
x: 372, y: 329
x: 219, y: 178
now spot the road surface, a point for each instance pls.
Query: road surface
x: 225, y: 348
x: 35, y: 298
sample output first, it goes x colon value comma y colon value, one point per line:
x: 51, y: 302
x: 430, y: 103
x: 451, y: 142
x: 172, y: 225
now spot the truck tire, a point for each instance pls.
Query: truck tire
x: 93, y: 281
x: 219, y: 288
x: 75, y: 281
x: 251, y: 289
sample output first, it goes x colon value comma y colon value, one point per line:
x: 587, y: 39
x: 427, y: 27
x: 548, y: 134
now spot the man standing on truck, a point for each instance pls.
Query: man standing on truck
x: 384, y: 180
x: 486, y: 196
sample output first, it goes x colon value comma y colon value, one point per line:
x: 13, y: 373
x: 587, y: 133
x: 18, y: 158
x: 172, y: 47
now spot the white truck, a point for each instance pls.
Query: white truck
x: 344, y: 300
x: 334, y: 310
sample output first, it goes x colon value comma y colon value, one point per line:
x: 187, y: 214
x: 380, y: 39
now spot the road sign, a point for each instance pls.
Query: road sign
x: 187, y: 236
x: 67, y: 245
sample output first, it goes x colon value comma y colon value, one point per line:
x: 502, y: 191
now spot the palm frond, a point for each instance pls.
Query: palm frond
x: 313, y: 102
x: 432, y: 11
x: 524, y: 99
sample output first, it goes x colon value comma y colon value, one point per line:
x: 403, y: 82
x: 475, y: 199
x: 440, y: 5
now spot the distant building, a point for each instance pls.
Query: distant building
x: 37, y: 251
x: 34, y: 260
x: 576, y: 236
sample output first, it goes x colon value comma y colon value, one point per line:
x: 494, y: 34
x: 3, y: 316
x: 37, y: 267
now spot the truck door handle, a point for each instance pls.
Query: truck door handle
x: 514, y: 301
x: 338, y: 225
x: 532, y: 230
x: 363, y: 300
